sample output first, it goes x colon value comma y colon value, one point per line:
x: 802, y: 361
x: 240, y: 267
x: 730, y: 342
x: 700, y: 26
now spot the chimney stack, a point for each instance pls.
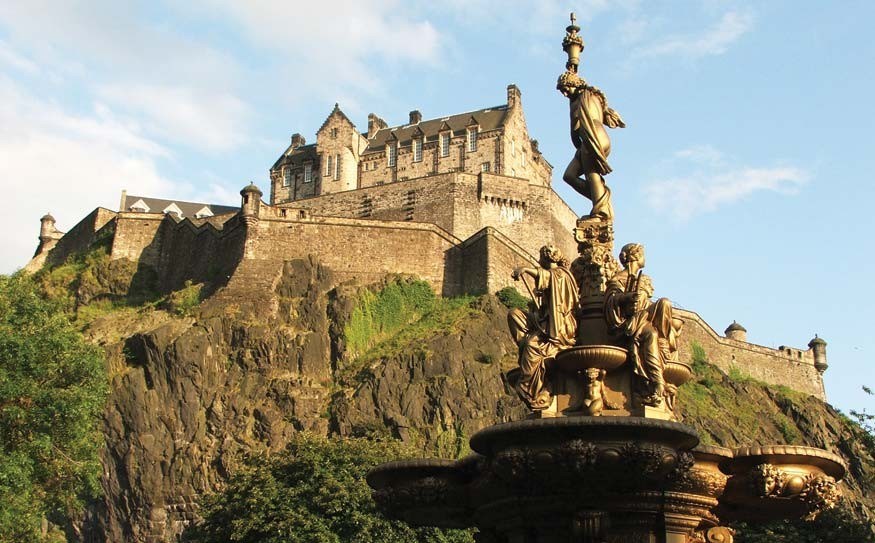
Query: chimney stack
x: 514, y: 97
x: 374, y: 124
x: 415, y: 116
x: 298, y: 141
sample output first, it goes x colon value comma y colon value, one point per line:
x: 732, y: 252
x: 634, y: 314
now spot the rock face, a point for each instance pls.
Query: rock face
x: 258, y: 361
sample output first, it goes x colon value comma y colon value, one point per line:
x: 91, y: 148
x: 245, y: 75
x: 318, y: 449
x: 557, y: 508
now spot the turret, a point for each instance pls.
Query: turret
x: 736, y: 331
x: 47, y: 230
x: 251, y: 204
x: 818, y: 347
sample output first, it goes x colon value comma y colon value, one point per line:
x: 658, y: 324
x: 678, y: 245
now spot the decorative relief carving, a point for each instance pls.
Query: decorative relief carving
x: 819, y: 494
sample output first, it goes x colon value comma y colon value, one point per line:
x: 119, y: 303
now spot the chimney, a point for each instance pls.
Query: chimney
x: 415, y: 116
x: 374, y: 124
x: 535, y: 146
x: 298, y: 141
x: 514, y: 98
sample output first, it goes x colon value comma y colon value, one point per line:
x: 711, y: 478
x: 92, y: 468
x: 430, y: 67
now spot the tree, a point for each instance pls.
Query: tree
x: 52, y: 390
x: 313, y: 492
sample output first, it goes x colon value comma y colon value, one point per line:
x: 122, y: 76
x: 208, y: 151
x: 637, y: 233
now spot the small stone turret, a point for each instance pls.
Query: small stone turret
x: 818, y: 347
x: 251, y: 204
x: 736, y: 331
x: 47, y: 230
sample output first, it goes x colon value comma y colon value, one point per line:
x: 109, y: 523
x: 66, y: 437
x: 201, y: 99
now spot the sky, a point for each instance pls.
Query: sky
x: 744, y: 168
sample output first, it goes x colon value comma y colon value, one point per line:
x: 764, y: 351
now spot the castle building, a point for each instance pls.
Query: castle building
x: 459, y: 201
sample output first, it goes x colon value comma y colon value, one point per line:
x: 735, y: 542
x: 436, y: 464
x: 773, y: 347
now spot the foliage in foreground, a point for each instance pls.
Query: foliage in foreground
x: 52, y: 390
x: 313, y: 492
x: 836, y: 526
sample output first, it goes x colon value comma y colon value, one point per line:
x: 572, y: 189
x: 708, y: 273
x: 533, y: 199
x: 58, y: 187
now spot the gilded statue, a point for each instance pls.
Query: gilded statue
x: 650, y: 328
x: 547, y: 329
x: 590, y: 115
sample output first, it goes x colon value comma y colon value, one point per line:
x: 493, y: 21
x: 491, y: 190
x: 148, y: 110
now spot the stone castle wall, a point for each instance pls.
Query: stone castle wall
x: 366, y: 249
x: 786, y: 366
x: 460, y: 203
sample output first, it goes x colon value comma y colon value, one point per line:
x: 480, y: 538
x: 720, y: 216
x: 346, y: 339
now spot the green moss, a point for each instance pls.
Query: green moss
x: 512, y: 299
x: 397, y: 319
x: 381, y: 314
x: 187, y: 298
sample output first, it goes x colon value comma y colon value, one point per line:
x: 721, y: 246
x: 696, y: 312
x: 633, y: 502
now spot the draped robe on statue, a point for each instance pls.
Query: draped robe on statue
x: 649, y: 326
x: 541, y: 334
x: 588, y: 120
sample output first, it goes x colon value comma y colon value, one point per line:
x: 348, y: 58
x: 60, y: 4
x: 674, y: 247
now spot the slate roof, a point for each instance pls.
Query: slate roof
x: 300, y: 154
x: 488, y: 119
x: 189, y: 209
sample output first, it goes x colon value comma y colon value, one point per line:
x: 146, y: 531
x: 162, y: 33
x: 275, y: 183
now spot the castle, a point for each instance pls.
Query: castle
x: 459, y: 201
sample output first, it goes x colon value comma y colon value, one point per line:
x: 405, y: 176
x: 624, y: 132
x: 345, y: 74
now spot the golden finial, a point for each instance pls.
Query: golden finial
x: 572, y: 44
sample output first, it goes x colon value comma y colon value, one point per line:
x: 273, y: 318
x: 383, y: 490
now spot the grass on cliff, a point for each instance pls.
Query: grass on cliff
x: 711, y: 393
x: 395, y: 318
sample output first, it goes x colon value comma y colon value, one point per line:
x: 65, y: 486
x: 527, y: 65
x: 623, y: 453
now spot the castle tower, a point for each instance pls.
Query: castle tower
x: 818, y: 346
x: 250, y: 206
x: 736, y: 331
x: 47, y: 230
x: 339, y: 146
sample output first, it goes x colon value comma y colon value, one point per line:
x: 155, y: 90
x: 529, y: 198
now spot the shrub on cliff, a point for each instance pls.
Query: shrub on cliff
x: 512, y: 299
x: 314, y: 492
x: 52, y: 389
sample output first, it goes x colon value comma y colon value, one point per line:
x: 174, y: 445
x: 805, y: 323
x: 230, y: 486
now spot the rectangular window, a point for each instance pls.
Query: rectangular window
x: 524, y: 157
x: 336, y: 173
x: 329, y: 166
x: 445, y: 144
x: 308, y: 173
x: 513, y: 172
x: 391, y: 154
x: 472, y: 139
x: 287, y: 176
x: 417, y: 150
x: 484, y: 167
x: 512, y: 148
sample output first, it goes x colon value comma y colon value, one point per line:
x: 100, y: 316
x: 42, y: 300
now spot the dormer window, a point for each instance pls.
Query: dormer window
x: 287, y: 176
x: 391, y: 154
x: 174, y: 210
x: 445, y: 144
x: 333, y: 132
x: 472, y: 139
x: 203, y: 213
x: 139, y: 207
x: 417, y: 150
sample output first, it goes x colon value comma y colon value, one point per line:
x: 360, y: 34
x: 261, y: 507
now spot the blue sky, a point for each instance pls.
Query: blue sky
x: 744, y: 168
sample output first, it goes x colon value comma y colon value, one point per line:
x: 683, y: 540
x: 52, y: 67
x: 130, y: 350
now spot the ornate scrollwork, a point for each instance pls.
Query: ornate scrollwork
x: 819, y: 494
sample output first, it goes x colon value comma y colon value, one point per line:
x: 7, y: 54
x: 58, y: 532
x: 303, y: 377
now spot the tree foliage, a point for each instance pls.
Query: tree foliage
x: 52, y: 391
x: 313, y: 492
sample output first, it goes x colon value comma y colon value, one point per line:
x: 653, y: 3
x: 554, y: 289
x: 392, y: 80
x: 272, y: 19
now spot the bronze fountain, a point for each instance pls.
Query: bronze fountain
x: 601, y: 457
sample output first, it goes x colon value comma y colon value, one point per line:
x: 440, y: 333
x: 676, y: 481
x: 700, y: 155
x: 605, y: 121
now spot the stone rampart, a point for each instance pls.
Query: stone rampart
x: 787, y: 366
x: 460, y: 203
x: 137, y: 238
x: 76, y: 240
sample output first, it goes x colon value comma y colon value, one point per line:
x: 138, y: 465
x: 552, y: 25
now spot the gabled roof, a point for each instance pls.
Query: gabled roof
x: 296, y: 155
x: 334, y: 111
x: 187, y: 209
x: 487, y: 119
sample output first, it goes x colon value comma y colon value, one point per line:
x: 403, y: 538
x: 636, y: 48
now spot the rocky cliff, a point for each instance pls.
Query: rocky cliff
x: 197, y: 388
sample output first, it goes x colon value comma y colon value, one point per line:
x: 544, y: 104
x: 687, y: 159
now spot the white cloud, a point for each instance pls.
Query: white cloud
x: 213, y: 121
x: 714, y: 183
x: 66, y: 163
x: 712, y: 41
